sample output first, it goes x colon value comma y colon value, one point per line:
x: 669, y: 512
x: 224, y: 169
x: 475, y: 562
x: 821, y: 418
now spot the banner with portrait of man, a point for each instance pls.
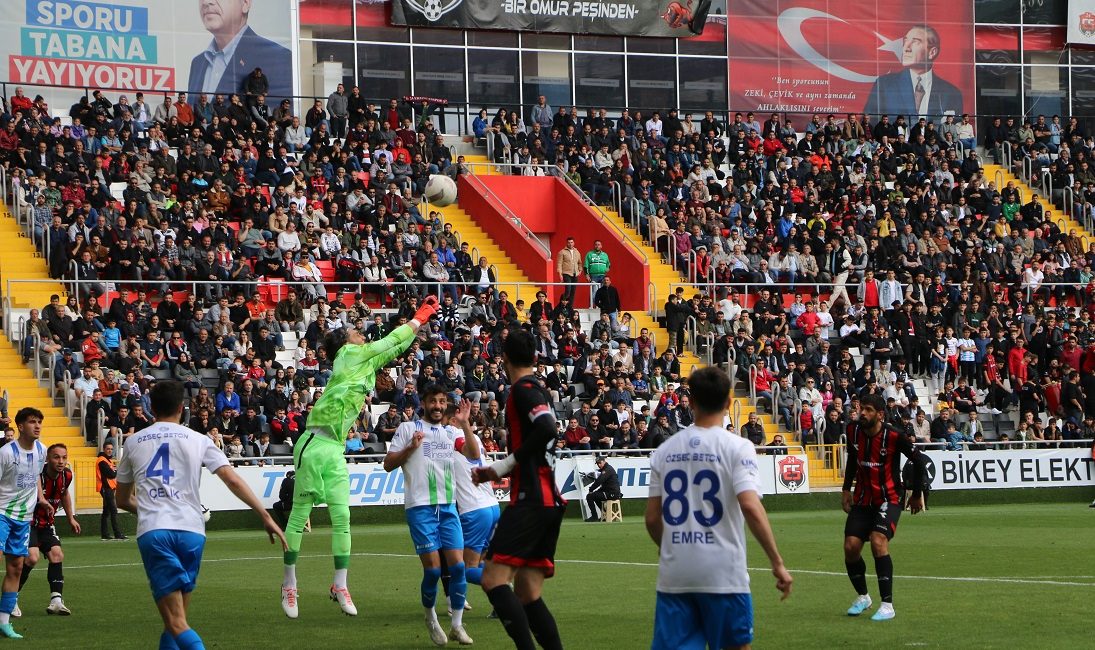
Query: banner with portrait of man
x: 847, y: 56
x: 208, y: 46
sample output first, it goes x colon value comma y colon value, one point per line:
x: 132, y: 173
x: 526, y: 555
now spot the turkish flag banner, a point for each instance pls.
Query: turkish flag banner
x: 852, y: 56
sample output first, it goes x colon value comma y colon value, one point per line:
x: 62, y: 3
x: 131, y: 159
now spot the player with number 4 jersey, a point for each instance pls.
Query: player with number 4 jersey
x: 704, y: 488
x: 158, y: 481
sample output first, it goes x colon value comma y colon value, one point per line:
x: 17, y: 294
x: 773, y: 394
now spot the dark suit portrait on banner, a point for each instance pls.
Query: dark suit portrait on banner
x: 916, y: 90
x: 236, y: 50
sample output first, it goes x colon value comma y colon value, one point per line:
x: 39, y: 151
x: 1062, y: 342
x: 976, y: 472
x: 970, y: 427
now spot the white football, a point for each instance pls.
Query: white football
x: 440, y: 190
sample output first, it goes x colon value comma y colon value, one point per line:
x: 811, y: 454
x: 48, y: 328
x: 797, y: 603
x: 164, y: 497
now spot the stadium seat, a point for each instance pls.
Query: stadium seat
x: 375, y: 448
x: 612, y: 511
x: 280, y: 450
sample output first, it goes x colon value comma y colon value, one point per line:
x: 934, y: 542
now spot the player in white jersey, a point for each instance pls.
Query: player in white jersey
x: 704, y: 488
x: 429, y: 452
x: 21, y: 461
x: 479, y: 513
x: 158, y: 480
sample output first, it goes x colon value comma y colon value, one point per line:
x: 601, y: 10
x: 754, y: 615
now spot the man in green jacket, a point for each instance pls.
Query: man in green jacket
x: 321, y: 474
x: 596, y: 267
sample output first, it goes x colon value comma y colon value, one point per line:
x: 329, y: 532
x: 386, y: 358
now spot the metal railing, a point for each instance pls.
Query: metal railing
x: 604, y: 218
x: 818, y: 288
x: 279, y: 289
x: 509, y: 214
x: 753, y: 383
x: 796, y: 426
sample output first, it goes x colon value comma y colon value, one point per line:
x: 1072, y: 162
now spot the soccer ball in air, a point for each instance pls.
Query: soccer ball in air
x: 440, y: 190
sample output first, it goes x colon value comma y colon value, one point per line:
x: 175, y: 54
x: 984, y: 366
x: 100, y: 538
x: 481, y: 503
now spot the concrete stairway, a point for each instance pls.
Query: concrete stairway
x: 663, y: 275
x: 19, y: 260
x: 1060, y: 217
x: 480, y: 244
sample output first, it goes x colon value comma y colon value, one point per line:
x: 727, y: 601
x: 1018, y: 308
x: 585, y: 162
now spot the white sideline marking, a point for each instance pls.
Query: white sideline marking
x: 996, y: 580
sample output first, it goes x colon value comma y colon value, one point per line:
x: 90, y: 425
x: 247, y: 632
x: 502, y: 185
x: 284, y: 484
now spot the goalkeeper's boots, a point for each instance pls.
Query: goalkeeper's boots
x: 460, y: 635
x: 859, y: 605
x: 885, y: 612
x: 341, y: 596
x: 289, y: 602
x: 8, y: 632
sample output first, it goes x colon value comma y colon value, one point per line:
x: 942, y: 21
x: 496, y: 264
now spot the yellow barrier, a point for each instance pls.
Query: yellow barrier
x: 83, y: 477
x: 826, y: 465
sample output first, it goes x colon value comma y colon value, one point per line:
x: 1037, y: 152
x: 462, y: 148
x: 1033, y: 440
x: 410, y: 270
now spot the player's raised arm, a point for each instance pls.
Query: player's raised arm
x: 542, y: 432
x: 384, y: 351
x: 470, y: 447
x: 244, y: 493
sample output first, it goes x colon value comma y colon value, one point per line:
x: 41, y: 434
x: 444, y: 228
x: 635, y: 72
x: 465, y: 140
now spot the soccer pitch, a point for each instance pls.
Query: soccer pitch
x: 1003, y: 576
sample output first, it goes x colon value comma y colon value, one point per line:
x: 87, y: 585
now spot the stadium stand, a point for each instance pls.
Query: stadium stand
x: 816, y: 265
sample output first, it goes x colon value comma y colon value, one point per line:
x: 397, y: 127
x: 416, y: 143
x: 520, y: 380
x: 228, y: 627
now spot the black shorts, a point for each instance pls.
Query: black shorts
x: 526, y: 537
x: 44, y: 539
x: 864, y: 520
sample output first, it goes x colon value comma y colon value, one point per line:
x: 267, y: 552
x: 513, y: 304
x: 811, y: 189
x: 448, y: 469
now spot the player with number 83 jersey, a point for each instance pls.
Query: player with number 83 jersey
x: 698, y: 473
x: 704, y: 489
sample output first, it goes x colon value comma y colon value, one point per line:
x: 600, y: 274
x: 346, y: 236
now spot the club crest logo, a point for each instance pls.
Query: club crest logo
x: 432, y: 10
x: 792, y: 472
x: 1087, y: 23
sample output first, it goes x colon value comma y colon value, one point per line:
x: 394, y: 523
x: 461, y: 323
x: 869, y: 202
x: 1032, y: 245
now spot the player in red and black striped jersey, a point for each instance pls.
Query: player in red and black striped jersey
x: 522, y: 551
x: 874, y: 464
x: 56, y: 480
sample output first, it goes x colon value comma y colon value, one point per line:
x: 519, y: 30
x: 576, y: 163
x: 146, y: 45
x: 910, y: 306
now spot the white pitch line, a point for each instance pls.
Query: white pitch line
x: 994, y: 580
x: 811, y: 572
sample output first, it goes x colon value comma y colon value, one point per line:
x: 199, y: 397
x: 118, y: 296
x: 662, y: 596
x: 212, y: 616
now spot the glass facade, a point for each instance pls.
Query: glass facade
x: 1023, y: 64
x: 490, y: 69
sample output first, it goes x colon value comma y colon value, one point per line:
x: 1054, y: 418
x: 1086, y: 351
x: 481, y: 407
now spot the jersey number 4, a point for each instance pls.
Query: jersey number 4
x: 161, y: 464
x: 675, y: 488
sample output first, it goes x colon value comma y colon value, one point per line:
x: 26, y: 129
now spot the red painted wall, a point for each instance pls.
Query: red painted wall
x: 490, y: 216
x: 629, y: 272
x: 532, y: 198
x: 550, y: 209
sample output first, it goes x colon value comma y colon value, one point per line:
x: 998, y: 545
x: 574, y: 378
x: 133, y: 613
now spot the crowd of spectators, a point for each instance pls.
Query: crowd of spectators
x: 236, y: 235
x: 846, y: 232
x: 804, y: 243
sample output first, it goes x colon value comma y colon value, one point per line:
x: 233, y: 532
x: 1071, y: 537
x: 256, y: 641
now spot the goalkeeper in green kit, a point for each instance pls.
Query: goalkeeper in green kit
x: 321, y: 474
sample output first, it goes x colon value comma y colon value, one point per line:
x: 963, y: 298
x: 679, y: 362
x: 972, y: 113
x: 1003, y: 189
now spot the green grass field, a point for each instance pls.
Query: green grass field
x: 1010, y: 576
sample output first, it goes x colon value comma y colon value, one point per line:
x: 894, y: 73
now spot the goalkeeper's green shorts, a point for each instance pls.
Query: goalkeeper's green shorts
x: 322, y: 476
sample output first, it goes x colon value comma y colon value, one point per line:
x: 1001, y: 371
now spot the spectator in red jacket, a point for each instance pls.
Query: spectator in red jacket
x: 576, y: 437
x: 1017, y: 363
x: 809, y: 321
